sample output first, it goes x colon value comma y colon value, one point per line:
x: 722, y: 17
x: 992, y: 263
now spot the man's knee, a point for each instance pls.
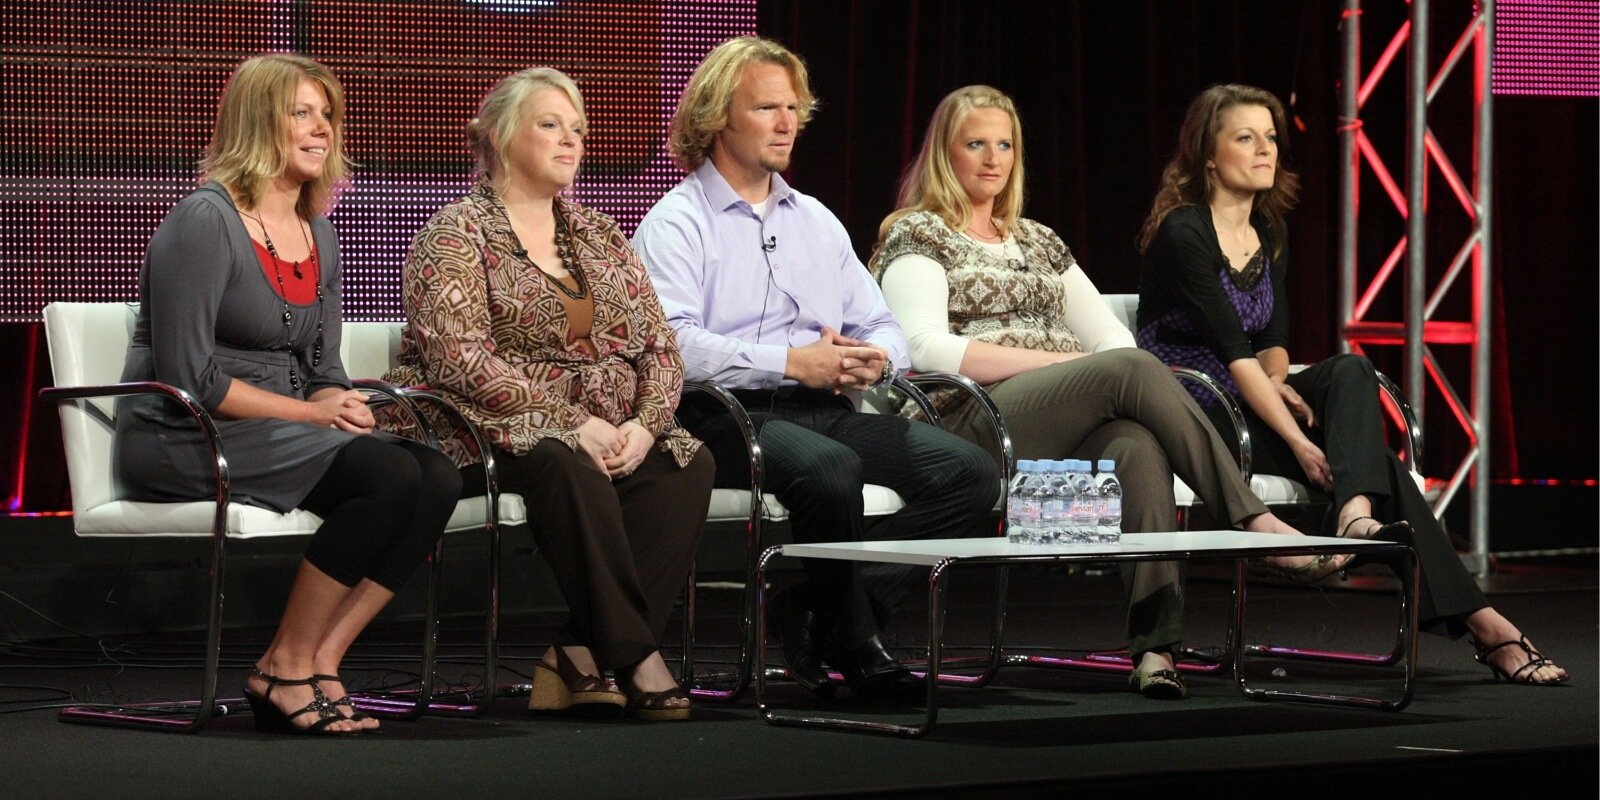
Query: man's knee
x: 973, y: 471
x: 823, y: 471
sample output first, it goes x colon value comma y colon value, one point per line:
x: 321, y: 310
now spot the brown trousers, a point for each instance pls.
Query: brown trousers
x: 620, y: 550
x: 1125, y: 405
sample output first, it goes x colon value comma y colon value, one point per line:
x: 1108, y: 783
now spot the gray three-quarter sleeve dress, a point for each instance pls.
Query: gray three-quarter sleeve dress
x: 208, y: 315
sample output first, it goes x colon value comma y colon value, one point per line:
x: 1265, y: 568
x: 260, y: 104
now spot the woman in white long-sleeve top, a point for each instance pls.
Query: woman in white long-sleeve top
x: 999, y: 298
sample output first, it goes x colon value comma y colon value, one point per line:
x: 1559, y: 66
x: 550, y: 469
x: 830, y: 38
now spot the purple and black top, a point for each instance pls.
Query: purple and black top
x: 1196, y: 311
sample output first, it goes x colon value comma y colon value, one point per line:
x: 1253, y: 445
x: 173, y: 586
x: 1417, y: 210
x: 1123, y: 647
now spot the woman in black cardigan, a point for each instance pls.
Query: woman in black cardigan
x: 1211, y: 297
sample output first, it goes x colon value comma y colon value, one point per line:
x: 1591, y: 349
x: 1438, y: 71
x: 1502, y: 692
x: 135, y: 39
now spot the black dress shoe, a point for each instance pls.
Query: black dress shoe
x: 869, y: 668
x: 797, y: 631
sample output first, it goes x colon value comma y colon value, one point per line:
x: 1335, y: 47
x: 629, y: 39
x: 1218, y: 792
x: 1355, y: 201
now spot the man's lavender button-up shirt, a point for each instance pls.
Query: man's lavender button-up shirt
x: 738, y: 306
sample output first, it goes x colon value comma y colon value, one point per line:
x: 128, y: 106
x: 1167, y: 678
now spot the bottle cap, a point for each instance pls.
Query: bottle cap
x: 1106, y: 465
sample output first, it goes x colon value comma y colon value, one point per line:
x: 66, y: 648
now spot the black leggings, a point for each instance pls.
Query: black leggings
x: 384, y: 503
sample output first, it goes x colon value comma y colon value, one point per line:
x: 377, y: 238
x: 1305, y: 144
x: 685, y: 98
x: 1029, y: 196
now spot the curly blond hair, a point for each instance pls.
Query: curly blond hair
x: 703, y: 109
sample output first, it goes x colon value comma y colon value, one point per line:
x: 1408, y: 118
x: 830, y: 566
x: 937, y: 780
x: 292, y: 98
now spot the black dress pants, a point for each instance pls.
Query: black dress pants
x: 1343, y: 394
x: 620, y: 550
x: 818, y: 453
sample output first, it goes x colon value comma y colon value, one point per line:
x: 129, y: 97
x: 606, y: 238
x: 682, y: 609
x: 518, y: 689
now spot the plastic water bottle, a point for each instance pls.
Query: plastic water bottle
x: 1022, y: 504
x: 1086, y: 511
x: 1110, y: 528
x: 1055, y: 523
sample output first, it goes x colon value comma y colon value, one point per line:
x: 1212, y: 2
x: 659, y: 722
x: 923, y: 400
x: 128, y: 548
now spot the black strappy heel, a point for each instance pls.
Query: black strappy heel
x: 1522, y: 674
x: 351, y: 713
x: 271, y: 719
x: 1383, y: 532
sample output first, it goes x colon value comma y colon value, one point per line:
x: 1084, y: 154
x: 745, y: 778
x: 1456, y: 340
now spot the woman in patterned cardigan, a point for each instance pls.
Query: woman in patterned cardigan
x: 534, y: 316
x: 1000, y: 299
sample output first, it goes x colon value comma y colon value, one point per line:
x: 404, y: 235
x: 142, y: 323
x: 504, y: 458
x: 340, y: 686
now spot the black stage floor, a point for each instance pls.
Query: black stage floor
x: 1034, y: 733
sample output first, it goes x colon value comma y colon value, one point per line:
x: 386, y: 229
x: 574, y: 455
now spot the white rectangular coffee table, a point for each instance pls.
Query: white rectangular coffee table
x: 942, y: 555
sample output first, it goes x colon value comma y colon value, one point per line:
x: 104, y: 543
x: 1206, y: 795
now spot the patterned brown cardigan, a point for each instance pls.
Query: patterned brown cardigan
x: 486, y: 330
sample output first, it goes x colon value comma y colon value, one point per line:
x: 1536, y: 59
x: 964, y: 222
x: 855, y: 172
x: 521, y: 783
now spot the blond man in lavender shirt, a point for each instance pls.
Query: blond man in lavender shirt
x: 768, y: 299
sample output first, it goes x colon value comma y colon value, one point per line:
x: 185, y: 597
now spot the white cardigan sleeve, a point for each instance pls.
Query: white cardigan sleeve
x: 919, y: 295
x: 1086, y: 314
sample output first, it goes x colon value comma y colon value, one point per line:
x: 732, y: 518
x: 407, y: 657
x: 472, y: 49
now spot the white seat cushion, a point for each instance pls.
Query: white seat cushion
x: 733, y: 505
x: 1181, y: 492
x: 1276, y: 490
x: 469, y: 513
x: 138, y: 518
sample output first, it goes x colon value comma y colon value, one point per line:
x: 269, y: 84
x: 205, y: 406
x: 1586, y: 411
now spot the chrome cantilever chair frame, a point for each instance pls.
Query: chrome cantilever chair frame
x: 742, y: 667
x: 757, y: 516
x: 1007, y: 461
x: 74, y: 321
x: 1125, y: 307
x: 1413, y: 433
x: 371, y: 348
x: 190, y: 716
x: 472, y: 703
x: 181, y: 716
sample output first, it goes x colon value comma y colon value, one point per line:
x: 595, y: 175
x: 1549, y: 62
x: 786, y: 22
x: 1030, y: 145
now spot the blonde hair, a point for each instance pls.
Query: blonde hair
x: 703, y: 109
x: 1187, y: 182
x: 930, y: 182
x: 250, y: 144
x: 500, y: 116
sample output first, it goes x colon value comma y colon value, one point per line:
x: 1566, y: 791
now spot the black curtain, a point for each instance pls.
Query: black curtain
x: 1102, y: 87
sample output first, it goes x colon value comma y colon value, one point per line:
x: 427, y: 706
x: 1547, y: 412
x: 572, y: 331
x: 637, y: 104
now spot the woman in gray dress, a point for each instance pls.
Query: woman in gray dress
x: 239, y: 306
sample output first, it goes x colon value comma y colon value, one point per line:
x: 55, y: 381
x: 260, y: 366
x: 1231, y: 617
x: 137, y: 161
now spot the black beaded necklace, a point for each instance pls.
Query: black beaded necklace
x: 564, y: 250
x: 283, y: 294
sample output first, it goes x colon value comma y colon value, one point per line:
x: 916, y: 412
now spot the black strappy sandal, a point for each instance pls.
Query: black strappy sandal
x: 1522, y: 674
x: 271, y: 719
x: 351, y: 713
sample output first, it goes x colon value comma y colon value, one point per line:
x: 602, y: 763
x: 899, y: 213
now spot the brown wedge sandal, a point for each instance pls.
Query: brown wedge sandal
x: 564, y: 688
x: 655, y: 706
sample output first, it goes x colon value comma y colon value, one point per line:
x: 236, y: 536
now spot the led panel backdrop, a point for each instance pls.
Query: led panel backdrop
x: 106, y: 108
x: 1548, y: 47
